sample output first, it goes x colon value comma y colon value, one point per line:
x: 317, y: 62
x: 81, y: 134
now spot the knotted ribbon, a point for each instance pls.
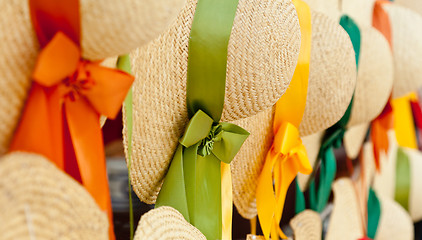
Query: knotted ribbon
x: 287, y: 155
x: 61, y: 117
x: 198, y: 182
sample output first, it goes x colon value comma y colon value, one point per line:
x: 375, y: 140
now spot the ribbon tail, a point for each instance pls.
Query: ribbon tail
x: 226, y: 201
x: 40, y: 127
x: 265, y: 196
x: 86, y: 135
x: 327, y: 175
x: 173, y: 191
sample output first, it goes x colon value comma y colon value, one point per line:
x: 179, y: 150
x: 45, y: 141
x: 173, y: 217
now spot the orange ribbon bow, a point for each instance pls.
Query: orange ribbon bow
x: 61, y: 116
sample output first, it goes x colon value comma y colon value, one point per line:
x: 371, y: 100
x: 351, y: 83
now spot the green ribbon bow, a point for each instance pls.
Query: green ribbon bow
x: 332, y: 139
x: 191, y: 185
x: 193, y: 182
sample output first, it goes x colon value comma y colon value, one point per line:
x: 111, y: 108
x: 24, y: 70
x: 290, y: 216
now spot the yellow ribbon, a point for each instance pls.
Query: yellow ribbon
x: 403, y: 121
x: 287, y: 155
x: 226, y: 201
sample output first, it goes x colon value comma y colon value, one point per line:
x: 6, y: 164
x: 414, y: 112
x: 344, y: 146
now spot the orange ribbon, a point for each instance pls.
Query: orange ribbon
x: 287, y: 155
x: 384, y: 122
x: 379, y: 133
x: 61, y: 117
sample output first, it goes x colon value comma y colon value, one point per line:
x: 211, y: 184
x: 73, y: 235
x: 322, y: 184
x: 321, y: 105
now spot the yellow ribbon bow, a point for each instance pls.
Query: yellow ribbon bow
x: 287, y: 155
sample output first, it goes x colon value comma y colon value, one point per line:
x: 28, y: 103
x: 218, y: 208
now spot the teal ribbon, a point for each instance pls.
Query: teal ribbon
x: 123, y: 63
x: 333, y: 136
x: 193, y: 182
x: 402, y: 188
x: 374, y: 213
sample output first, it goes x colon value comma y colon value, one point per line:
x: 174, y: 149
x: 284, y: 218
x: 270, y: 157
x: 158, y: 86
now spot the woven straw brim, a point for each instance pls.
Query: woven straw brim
x: 254, y: 237
x: 331, y: 55
x: 395, y: 222
x: 415, y: 5
x: 361, y: 11
x: 385, y: 181
x: 166, y: 223
x: 312, y: 144
x: 354, y: 138
x: 39, y: 201
x: 108, y: 28
x: 375, y: 77
x: 262, y: 54
x: 407, y: 48
x: 345, y: 221
x: 307, y: 225
x: 328, y: 7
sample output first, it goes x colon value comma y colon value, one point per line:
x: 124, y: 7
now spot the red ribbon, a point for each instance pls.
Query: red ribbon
x: 68, y: 94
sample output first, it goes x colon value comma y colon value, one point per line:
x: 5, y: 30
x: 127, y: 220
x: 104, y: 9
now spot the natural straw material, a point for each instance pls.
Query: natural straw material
x: 407, y: 48
x: 166, y: 223
x: 108, y: 28
x: 415, y: 5
x: 262, y: 55
x: 345, y: 221
x: 38, y: 201
x: 307, y: 225
x: 332, y: 79
x: 360, y: 11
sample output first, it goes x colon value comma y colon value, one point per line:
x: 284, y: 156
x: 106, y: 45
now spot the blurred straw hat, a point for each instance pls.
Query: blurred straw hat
x: 39, y: 201
x: 415, y: 5
x: 332, y: 66
x: 307, y: 225
x: 108, y: 28
x: 346, y: 222
x: 385, y: 180
x: 166, y: 223
x: 262, y: 55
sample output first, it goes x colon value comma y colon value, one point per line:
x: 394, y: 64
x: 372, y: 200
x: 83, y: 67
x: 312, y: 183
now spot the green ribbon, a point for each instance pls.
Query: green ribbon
x: 123, y: 63
x: 193, y: 182
x: 333, y: 137
x: 402, y: 188
x: 374, y: 213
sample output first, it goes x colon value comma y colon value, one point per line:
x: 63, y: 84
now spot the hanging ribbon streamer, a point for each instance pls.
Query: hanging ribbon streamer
x: 403, y: 121
x: 68, y: 94
x: 197, y: 183
x: 417, y: 119
x: 374, y: 213
x: 402, y: 187
x: 287, y: 155
x: 384, y: 122
x: 123, y: 63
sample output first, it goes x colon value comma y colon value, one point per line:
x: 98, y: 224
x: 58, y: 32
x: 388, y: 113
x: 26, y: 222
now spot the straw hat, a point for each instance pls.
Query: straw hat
x: 385, y: 181
x: 307, y: 225
x: 166, y: 223
x: 262, y: 54
x: 415, y: 5
x: 108, y: 28
x: 38, y: 201
x: 332, y: 66
x: 407, y: 48
x: 346, y: 222
x: 373, y: 88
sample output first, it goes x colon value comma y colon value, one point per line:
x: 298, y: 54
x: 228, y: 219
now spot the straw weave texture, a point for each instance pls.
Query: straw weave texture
x: 262, y: 55
x: 108, y: 28
x: 407, y: 49
x: 166, y: 223
x: 331, y: 82
x: 307, y: 225
x: 38, y: 201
